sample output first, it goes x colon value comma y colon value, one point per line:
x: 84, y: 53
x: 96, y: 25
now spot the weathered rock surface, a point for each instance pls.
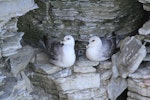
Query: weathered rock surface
x: 19, y: 61
x: 139, y: 83
x: 9, y: 37
x: 129, y: 58
x: 116, y: 87
x: 82, y: 18
x: 144, y: 30
x: 146, y: 5
x: 85, y: 80
x: 82, y: 81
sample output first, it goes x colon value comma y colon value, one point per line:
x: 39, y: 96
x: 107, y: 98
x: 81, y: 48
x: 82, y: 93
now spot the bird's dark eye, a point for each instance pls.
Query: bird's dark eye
x: 68, y: 38
x: 93, y: 40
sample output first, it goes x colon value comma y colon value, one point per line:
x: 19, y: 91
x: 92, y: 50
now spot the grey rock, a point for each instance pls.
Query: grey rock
x: 84, y: 62
x: 15, y: 89
x: 84, y: 94
x: 144, y: 1
x: 147, y: 58
x: 135, y: 96
x: 45, y: 82
x: 11, y: 44
x: 18, y: 8
x: 144, y: 30
x: 105, y: 65
x: 130, y: 58
x: 82, y: 17
x: 106, y: 74
x: 116, y: 87
x: 40, y: 57
x: 137, y: 87
x: 141, y: 73
x: 19, y: 61
x: 78, y: 69
x: 45, y: 68
x: 28, y: 84
x: 63, y: 73
x: 146, y: 6
x: 78, y: 82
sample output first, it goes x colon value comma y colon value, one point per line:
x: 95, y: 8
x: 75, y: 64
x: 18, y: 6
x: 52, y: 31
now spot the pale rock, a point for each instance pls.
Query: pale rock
x: 63, y: 73
x: 130, y: 58
x: 84, y: 94
x: 148, y: 49
x: 45, y: 82
x: 78, y: 69
x: 116, y: 87
x: 144, y: 1
x: 147, y: 58
x: 40, y: 94
x: 78, y: 82
x: 141, y: 73
x: 40, y: 57
x: 106, y: 74
x: 15, y: 8
x: 136, y: 96
x: 144, y: 30
x: 20, y: 92
x: 115, y: 72
x: 7, y: 87
x: 138, y: 88
x: 84, y: 62
x: 146, y: 7
x: 129, y: 98
x: 45, y: 68
x: 2, y: 77
x: 19, y: 61
x: 105, y: 65
x: 28, y: 84
x: 11, y: 44
x: 10, y: 26
x: 9, y: 34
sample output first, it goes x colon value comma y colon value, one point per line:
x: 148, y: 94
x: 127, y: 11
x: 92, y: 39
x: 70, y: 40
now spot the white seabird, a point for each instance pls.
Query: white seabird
x: 99, y: 49
x: 62, y: 54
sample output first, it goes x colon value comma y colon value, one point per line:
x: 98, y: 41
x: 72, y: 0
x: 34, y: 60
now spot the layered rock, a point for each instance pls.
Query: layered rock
x: 9, y: 37
x: 139, y: 84
x: 81, y: 18
x: 14, y: 85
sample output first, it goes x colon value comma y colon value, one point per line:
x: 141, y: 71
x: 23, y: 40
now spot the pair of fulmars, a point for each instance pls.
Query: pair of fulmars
x: 62, y: 54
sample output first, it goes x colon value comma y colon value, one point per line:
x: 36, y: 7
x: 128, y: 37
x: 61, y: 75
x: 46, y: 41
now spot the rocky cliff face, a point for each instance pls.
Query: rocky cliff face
x: 25, y: 71
x: 82, y: 18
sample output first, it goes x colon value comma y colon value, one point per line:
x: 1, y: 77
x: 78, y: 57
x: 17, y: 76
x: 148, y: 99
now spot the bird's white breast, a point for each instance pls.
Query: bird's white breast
x: 68, y: 57
x: 93, y: 53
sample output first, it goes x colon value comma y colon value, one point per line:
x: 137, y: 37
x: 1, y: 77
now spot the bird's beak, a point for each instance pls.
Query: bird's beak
x: 61, y: 42
x: 87, y: 46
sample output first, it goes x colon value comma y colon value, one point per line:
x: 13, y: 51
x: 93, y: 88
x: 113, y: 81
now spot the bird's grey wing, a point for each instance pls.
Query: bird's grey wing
x: 108, y: 47
x: 55, y: 51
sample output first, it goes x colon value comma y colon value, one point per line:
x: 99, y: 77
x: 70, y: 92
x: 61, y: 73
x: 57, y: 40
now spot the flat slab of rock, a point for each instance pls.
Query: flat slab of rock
x: 18, y: 8
x: 78, y: 69
x: 84, y: 62
x: 63, y: 73
x: 132, y: 53
x: 19, y: 61
x: 78, y: 82
x: 138, y: 87
x: 116, y: 87
x: 145, y: 29
x: 135, y: 96
x: 45, y: 68
x: 84, y: 94
x: 141, y: 73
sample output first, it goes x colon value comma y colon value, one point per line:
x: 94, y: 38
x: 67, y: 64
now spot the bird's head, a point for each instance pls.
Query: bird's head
x: 94, y: 41
x: 68, y: 40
